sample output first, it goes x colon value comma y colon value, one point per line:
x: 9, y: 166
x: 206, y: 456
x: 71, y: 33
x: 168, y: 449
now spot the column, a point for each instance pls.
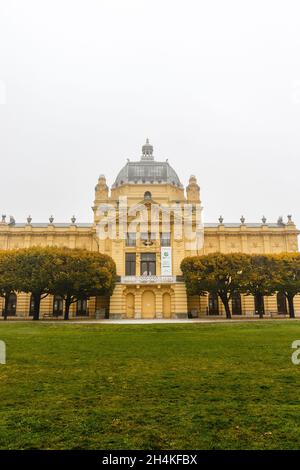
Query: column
x: 158, y: 303
x: 138, y: 303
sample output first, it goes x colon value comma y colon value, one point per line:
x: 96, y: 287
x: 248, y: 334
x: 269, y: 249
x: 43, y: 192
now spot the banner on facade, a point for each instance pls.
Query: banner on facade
x: 166, y: 261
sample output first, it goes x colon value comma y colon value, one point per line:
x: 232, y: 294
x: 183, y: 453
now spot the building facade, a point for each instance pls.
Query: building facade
x: 148, y: 254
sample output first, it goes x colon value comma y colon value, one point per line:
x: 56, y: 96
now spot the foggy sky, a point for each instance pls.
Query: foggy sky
x: 215, y: 85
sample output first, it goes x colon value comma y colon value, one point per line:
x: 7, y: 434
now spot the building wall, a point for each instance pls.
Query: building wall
x: 198, y: 305
x: 226, y: 238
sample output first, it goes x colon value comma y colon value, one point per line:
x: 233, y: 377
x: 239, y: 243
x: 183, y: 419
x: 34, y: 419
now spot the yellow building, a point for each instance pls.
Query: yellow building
x: 148, y: 255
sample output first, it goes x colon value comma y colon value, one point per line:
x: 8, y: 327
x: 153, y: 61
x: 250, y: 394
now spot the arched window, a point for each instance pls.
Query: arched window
x: 12, y: 305
x: 236, y: 304
x: 147, y: 195
x: 213, y: 304
x: 58, y: 305
x: 281, y: 303
x: 81, y: 307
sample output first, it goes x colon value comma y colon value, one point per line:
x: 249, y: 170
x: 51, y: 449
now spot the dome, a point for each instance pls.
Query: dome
x: 147, y: 170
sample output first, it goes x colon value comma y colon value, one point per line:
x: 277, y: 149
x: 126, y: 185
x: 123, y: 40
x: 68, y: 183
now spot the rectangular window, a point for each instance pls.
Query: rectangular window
x: 148, y: 237
x: 165, y: 239
x: 148, y: 264
x: 145, y: 236
x: 81, y: 307
x: 131, y: 239
x: 157, y: 172
x: 130, y: 264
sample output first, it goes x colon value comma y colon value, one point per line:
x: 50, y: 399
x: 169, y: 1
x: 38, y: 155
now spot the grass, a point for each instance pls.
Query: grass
x: 170, y: 386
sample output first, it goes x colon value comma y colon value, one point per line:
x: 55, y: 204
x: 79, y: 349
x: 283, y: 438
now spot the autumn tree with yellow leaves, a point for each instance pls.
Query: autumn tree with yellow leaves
x: 217, y: 273
x: 259, y: 275
x: 73, y: 274
x: 287, y: 277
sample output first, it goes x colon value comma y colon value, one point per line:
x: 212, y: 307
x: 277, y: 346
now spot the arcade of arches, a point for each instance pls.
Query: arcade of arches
x: 149, y: 303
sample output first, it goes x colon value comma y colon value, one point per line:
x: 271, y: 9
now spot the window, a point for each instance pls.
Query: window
x: 236, y: 304
x: 58, y: 305
x: 81, y: 307
x: 135, y: 171
x: 147, y: 195
x: 131, y: 239
x: 213, y: 304
x: 130, y: 264
x: 148, y: 264
x: 12, y: 305
x: 165, y: 239
x: 281, y: 303
x: 147, y: 171
x: 259, y: 304
x: 145, y: 236
x: 148, y: 238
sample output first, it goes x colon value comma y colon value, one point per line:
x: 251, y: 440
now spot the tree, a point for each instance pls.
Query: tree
x: 73, y: 274
x: 260, y: 280
x: 287, y: 279
x: 34, y: 270
x: 217, y: 273
x: 81, y: 274
x: 7, y: 278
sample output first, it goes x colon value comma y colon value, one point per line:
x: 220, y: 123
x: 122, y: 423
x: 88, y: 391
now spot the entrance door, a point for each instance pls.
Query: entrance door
x: 129, y: 306
x: 166, y: 305
x: 148, y: 304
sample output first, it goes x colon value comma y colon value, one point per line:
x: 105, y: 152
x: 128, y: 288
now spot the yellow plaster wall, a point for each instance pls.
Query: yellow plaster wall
x: 262, y: 238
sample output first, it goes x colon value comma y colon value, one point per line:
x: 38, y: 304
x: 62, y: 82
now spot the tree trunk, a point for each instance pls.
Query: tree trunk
x: 225, y: 302
x: 290, y: 299
x: 67, y: 308
x: 37, y: 305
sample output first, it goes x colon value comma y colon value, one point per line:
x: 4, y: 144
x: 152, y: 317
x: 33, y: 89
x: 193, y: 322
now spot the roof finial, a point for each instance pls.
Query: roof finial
x: 147, y: 151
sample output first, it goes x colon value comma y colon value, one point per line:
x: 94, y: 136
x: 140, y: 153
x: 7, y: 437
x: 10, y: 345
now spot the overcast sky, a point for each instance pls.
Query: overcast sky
x: 215, y: 85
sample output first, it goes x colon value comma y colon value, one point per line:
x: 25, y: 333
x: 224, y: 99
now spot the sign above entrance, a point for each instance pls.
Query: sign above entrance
x: 148, y: 279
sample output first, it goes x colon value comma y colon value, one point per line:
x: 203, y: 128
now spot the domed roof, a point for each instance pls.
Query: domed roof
x: 147, y: 170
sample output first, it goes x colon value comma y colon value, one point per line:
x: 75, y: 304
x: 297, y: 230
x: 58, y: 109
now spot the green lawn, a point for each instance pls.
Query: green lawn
x: 203, y: 386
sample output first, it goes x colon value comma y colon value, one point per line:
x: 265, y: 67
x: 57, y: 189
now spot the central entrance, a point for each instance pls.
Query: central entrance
x: 148, y: 304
